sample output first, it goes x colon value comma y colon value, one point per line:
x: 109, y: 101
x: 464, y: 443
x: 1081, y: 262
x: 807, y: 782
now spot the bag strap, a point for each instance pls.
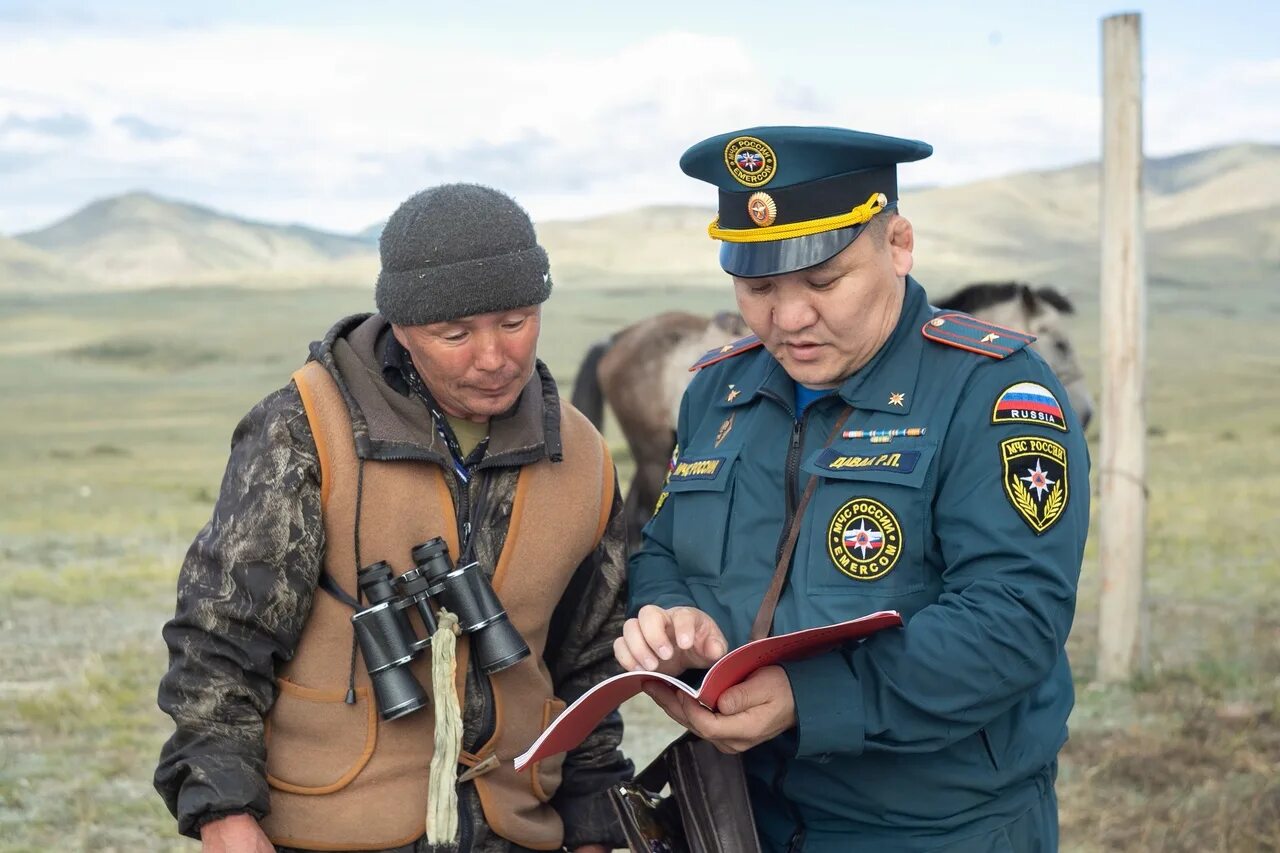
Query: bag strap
x: 764, y: 617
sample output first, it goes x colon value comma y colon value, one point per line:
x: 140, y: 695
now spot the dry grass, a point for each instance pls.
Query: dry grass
x: 110, y: 468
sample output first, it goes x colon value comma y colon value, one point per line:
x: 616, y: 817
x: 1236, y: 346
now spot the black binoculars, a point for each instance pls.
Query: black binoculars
x: 388, y: 641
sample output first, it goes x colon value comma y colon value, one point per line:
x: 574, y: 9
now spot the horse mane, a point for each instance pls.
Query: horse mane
x: 972, y: 298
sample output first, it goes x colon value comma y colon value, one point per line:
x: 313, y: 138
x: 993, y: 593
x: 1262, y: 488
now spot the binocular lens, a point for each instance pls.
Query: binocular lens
x: 388, y: 644
x: 387, y: 638
x: 495, y: 642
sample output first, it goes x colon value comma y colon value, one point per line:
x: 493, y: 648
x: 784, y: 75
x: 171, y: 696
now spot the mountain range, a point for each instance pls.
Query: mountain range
x: 1212, y: 219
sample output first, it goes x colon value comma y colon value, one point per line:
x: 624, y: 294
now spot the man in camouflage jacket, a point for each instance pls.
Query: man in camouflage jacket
x: 461, y: 271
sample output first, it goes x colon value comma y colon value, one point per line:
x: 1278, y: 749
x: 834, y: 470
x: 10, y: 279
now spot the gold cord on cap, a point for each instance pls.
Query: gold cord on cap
x: 860, y: 214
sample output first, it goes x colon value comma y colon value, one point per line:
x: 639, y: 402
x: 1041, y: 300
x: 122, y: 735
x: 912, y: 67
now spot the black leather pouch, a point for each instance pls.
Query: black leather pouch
x: 706, y: 811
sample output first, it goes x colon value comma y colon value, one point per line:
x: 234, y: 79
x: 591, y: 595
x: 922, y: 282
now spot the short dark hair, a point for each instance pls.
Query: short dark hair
x: 878, y: 227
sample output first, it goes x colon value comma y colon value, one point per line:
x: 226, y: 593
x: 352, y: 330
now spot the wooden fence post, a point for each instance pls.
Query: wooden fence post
x: 1122, y: 467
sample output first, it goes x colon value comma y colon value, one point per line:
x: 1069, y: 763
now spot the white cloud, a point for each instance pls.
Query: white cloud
x: 334, y: 129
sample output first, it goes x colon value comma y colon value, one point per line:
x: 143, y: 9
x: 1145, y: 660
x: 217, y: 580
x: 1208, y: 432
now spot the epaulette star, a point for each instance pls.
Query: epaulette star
x: 729, y: 350
x: 969, y: 333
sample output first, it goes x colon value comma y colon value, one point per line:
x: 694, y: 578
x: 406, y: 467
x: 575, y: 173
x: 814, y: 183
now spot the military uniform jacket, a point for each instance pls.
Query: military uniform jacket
x: 958, y: 495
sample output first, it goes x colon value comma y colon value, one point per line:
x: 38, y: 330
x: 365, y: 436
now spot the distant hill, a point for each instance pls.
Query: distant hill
x: 1212, y: 221
x: 1210, y: 215
x: 652, y: 243
x: 371, y: 234
x: 28, y: 269
x: 1044, y: 225
x: 141, y: 239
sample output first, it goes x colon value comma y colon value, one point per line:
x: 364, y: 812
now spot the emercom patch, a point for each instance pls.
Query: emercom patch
x: 864, y: 539
x: 1035, y: 479
x: 1028, y: 403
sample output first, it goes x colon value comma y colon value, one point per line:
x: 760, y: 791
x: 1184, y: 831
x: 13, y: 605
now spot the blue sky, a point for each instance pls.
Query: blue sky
x: 330, y: 113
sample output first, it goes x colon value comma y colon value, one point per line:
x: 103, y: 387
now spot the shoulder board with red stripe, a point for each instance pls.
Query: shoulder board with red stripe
x: 729, y: 350
x: 969, y: 333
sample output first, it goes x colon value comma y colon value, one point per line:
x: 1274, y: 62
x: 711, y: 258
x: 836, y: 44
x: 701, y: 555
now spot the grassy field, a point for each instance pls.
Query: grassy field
x: 116, y: 410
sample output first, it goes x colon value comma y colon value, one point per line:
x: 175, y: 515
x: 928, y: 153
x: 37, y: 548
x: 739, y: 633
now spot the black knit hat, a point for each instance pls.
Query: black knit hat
x: 456, y: 250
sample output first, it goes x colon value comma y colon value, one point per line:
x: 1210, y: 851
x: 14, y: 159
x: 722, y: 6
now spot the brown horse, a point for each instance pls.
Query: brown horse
x: 643, y: 370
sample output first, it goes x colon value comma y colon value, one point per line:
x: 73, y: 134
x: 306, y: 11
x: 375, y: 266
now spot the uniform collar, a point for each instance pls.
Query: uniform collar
x: 892, y: 371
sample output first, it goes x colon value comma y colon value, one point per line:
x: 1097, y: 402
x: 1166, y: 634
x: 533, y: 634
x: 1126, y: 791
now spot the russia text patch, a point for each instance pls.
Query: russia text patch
x: 1028, y: 403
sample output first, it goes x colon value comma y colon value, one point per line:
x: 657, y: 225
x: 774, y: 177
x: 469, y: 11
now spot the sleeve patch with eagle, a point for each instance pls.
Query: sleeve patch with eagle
x: 1035, y: 479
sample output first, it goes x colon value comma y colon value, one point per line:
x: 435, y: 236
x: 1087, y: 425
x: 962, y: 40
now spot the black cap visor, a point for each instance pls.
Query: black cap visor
x: 775, y: 257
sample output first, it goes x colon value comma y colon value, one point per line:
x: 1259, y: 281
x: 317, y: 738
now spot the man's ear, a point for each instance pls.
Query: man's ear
x: 902, y: 242
x: 398, y: 335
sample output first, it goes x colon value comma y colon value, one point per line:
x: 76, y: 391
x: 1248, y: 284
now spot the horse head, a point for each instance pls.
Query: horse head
x: 731, y: 324
x: 1043, y: 312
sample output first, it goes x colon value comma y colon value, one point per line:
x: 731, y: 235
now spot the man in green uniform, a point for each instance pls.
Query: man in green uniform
x: 955, y: 491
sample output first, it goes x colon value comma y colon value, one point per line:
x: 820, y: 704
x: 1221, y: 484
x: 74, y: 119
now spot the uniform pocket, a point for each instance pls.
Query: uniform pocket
x: 700, y: 494
x: 316, y: 742
x: 545, y: 775
x: 868, y: 520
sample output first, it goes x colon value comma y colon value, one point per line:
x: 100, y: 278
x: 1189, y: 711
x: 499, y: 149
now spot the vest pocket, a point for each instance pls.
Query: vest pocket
x: 316, y: 742
x: 868, y: 520
x: 701, y: 495
x: 545, y: 775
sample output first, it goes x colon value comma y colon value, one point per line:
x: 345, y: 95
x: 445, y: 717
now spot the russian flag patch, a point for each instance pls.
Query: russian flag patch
x: 1028, y: 403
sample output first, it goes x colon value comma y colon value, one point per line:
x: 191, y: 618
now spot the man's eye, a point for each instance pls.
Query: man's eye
x: 761, y: 289
x: 455, y: 338
x: 821, y: 285
x: 512, y: 325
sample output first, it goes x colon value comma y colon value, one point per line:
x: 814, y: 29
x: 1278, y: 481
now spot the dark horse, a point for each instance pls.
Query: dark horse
x: 642, y: 371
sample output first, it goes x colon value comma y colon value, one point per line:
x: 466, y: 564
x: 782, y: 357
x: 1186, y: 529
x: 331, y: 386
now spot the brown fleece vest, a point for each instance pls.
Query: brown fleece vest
x: 341, y: 777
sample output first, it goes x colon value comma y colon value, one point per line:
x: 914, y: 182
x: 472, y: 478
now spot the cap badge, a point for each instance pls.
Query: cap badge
x: 762, y: 209
x: 750, y: 161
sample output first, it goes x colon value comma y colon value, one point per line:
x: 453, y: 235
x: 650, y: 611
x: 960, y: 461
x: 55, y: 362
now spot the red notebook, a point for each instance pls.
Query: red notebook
x: 580, y: 719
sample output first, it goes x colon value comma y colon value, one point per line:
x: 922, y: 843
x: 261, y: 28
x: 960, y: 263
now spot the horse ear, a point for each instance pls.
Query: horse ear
x: 1029, y: 303
x: 1056, y: 299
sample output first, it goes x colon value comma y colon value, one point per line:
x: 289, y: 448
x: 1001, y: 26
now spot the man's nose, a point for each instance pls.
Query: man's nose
x: 793, y: 314
x: 488, y: 355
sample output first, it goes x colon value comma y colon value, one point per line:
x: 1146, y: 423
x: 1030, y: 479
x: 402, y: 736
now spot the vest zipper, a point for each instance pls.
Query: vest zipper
x: 488, y: 721
x: 791, y: 478
x: 791, y: 487
x: 464, y: 824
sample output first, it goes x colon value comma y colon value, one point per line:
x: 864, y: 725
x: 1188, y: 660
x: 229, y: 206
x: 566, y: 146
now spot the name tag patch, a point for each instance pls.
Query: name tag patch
x: 696, y: 469
x: 902, y: 462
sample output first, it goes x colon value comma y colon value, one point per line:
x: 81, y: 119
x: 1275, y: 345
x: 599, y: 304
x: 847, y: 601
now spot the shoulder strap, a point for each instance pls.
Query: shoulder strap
x: 729, y: 350
x: 969, y: 333
x: 764, y: 617
x: 568, y: 605
x: 322, y: 400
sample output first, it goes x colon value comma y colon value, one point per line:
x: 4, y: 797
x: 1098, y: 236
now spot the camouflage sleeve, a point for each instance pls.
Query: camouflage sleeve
x: 244, y: 592
x: 585, y: 659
